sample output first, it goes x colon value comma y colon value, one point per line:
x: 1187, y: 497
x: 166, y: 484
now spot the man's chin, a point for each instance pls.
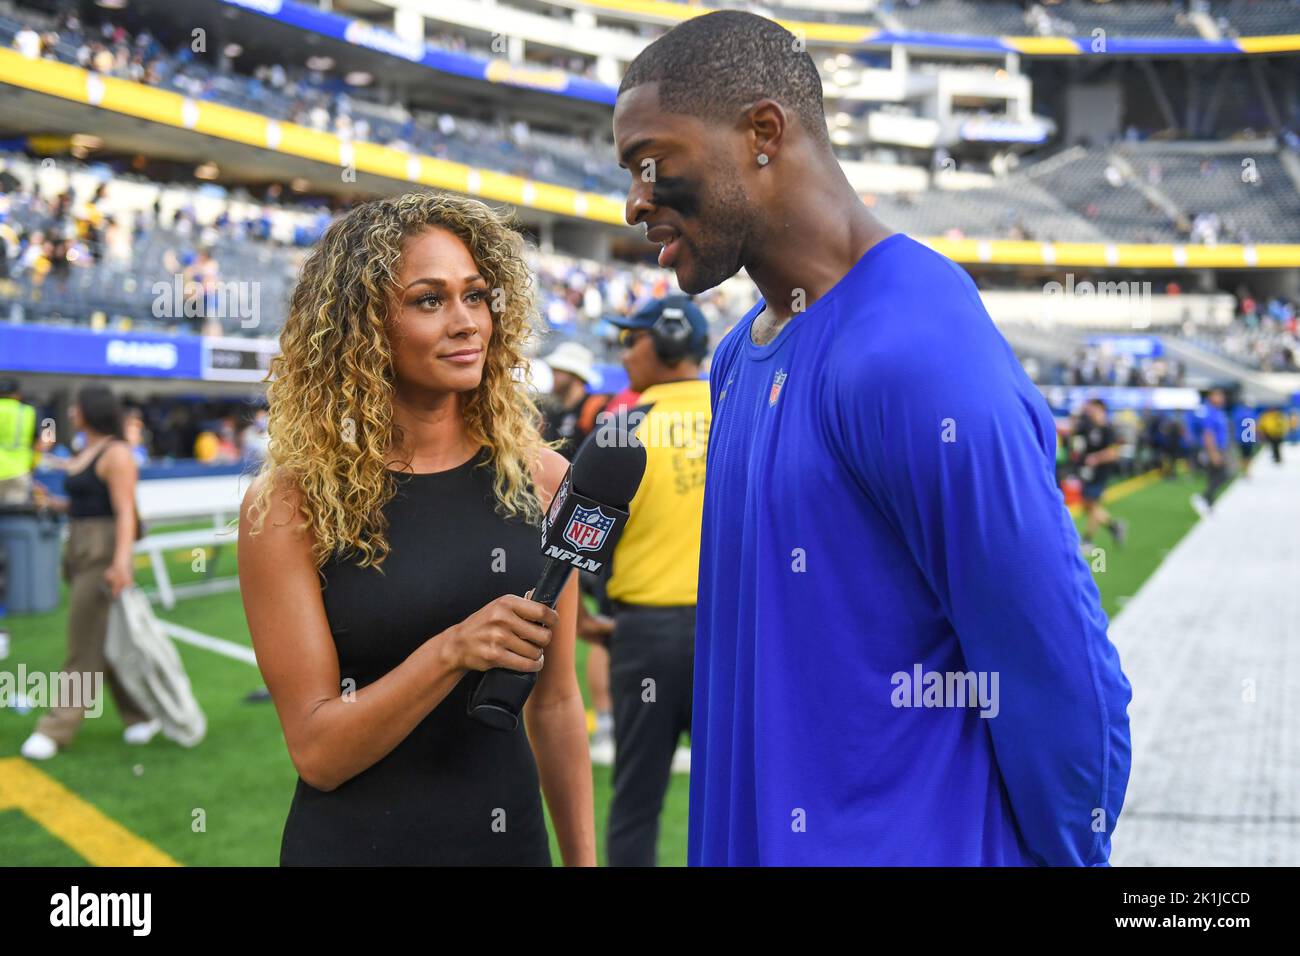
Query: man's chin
x: 693, y: 281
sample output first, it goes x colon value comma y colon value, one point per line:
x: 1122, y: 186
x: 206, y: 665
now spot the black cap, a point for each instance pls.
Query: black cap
x: 677, y: 304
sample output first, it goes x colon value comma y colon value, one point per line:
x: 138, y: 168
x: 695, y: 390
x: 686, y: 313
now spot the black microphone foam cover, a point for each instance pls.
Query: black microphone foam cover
x: 608, y: 467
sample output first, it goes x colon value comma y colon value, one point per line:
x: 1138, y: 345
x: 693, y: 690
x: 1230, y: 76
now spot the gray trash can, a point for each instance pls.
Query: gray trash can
x: 30, y: 542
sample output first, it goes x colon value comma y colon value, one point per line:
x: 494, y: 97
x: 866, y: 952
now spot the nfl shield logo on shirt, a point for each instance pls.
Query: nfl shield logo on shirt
x: 587, y: 528
x: 777, y: 382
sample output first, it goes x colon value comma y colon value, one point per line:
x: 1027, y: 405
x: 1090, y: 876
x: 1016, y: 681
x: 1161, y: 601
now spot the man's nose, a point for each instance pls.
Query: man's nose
x: 639, y: 202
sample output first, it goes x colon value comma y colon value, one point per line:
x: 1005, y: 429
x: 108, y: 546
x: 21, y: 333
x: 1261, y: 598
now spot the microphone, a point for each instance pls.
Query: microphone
x: 579, y: 531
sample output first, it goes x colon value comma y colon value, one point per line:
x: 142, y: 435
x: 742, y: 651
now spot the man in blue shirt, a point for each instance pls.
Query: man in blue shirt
x: 1212, y: 429
x: 901, y: 657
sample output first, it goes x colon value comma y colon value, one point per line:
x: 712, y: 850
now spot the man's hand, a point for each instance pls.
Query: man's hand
x: 595, y: 628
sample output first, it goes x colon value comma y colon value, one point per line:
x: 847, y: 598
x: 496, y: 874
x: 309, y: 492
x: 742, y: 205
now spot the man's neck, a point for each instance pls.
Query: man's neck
x: 811, y: 248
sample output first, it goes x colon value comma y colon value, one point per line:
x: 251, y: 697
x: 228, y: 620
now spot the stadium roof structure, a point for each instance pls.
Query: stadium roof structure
x: 362, y: 35
x: 863, y: 34
x: 57, y: 97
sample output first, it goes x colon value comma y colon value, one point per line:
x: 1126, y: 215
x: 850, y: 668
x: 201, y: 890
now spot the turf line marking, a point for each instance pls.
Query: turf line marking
x: 95, y: 837
x: 1122, y: 489
x: 217, y: 645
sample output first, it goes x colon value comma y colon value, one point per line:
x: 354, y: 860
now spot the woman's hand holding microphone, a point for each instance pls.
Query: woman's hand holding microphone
x: 510, y: 632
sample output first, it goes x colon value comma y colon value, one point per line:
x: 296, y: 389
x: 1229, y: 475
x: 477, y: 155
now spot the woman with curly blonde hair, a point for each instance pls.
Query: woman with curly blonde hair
x: 386, y: 543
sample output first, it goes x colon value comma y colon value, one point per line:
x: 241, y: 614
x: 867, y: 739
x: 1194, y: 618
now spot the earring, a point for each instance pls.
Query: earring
x: 762, y: 159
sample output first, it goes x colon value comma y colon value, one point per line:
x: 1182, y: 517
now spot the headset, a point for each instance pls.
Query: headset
x: 671, y: 335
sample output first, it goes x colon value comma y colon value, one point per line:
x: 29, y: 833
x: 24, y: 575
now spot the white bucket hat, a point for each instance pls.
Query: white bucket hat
x: 576, y: 360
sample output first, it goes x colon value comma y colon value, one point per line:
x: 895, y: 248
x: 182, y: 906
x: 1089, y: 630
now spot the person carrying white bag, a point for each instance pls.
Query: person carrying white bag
x: 146, y: 662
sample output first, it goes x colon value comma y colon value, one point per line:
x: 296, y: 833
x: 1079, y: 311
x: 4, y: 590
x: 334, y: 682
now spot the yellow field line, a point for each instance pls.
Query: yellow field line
x: 98, y: 839
x: 1122, y: 489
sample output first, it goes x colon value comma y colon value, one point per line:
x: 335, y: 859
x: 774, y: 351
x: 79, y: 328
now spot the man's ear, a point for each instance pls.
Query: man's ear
x: 766, y: 122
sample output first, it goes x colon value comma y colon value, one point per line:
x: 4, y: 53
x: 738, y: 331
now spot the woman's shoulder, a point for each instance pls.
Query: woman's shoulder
x: 117, y: 453
x: 272, y: 486
x: 548, y: 472
x: 275, y: 500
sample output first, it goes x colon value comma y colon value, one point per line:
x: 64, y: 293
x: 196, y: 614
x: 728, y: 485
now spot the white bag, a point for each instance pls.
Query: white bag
x: 150, y: 670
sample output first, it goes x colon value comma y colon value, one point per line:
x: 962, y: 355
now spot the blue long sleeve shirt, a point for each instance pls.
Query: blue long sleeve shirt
x: 901, y: 657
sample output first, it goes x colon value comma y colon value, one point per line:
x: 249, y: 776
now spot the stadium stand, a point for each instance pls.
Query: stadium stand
x: 1247, y: 190
x: 1146, y: 19
x: 98, y: 259
x: 1079, y: 18
x: 297, y: 95
x: 1256, y: 17
x: 1127, y: 192
x: 1090, y: 185
x: 958, y: 16
x: 1020, y: 211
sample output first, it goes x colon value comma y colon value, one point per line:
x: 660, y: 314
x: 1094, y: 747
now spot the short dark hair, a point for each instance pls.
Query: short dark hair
x: 716, y: 65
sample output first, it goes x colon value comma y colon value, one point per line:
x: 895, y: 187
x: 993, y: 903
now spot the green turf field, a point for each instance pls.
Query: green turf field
x: 241, y: 776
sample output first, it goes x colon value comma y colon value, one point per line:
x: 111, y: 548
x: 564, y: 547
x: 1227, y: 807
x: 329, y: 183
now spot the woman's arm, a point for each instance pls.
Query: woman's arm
x: 120, y: 474
x: 556, y: 718
x: 331, y: 735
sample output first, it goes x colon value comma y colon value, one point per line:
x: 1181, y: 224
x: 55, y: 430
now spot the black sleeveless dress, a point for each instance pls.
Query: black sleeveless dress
x: 454, y: 792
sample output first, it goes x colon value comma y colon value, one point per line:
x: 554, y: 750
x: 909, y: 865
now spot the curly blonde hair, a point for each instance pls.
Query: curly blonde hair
x: 331, y: 388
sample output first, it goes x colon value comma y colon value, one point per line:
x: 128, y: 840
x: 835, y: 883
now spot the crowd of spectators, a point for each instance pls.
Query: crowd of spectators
x: 1265, y: 334
x: 80, y: 255
x: 161, y: 430
x: 48, y: 237
x: 1098, y: 365
x: 313, y: 98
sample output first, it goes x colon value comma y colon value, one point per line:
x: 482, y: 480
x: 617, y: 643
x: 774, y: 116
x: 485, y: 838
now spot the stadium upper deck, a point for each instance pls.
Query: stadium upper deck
x: 360, y: 101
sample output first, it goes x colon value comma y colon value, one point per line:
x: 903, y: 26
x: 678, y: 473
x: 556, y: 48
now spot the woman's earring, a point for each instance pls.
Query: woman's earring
x: 762, y: 159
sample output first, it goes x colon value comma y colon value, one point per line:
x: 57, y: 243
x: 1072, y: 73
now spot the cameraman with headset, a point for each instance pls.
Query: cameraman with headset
x: 652, y: 587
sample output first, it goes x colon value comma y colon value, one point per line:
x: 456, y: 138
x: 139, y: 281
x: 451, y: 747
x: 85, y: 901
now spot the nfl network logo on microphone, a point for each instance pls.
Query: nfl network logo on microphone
x: 587, y: 528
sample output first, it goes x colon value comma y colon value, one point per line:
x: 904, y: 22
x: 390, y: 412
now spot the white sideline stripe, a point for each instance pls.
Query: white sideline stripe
x: 185, y: 635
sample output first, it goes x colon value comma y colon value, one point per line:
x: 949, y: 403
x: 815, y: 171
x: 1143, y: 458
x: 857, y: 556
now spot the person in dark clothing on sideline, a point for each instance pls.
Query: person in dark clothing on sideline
x: 1096, y: 450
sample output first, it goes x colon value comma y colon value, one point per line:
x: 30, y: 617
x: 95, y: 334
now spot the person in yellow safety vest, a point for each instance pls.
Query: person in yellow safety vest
x: 1273, y: 427
x: 19, y: 445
